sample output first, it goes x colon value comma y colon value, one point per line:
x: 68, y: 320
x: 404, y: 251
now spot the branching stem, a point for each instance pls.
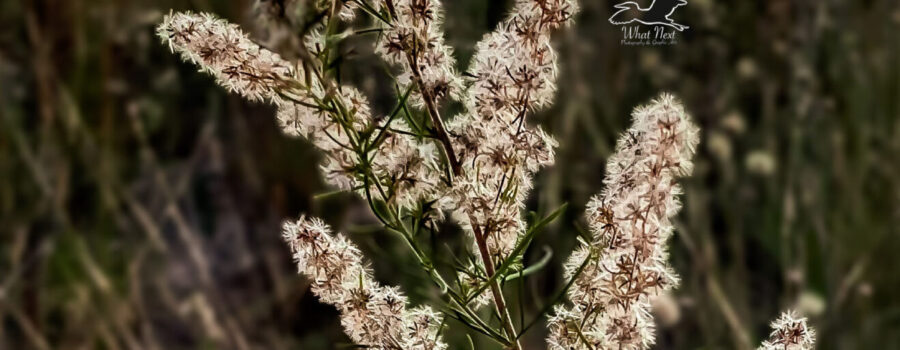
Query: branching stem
x: 430, y: 105
x: 497, y: 293
x: 436, y: 121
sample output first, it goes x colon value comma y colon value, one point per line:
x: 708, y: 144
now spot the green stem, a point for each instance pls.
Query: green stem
x: 497, y: 293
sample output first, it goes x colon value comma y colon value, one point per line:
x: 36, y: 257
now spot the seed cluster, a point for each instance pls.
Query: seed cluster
x: 371, y: 314
x: 790, y: 332
x: 626, y: 263
x: 512, y: 73
x: 224, y: 51
x: 414, y: 40
x: 479, y: 168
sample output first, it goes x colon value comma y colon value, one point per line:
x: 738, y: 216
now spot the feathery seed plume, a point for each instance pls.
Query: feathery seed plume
x: 626, y: 264
x: 372, y: 315
x: 513, y: 72
x: 224, y: 51
x: 414, y: 41
x: 305, y: 107
x: 790, y: 332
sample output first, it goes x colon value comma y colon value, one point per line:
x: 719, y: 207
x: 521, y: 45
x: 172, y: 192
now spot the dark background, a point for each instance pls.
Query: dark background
x: 140, y: 204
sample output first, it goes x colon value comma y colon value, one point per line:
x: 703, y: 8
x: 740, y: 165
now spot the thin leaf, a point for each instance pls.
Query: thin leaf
x: 371, y: 11
x: 367, y: 31
x: 520, y: 247
x: 557, y: 298
x: 548, y: 253
x: 381, y: 135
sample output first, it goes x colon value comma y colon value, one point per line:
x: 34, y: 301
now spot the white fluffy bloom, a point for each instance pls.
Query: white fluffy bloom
x: 372, y: 315
x: 407, y: 166
x: 330, y: 135
x: 349, y: 8
x: 627, y: 261
x: 563, y: 324
x: 224, y: 51
x: 513, y: 73
x: 514, y: 67
x: 421, y: 328
x: 790, y: 332
x: 334, y: 121
x: 414, y: 41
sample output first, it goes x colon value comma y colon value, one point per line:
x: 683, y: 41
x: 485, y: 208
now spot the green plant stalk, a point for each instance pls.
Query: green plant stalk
x: 497, y: 293
x: 361, y: 146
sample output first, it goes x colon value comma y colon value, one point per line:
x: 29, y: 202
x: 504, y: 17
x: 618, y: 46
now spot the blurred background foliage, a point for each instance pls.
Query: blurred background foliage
x: 140, y: 205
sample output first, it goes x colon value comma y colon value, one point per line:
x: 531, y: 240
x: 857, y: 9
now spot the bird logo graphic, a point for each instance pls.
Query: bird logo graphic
x: 656, y: 14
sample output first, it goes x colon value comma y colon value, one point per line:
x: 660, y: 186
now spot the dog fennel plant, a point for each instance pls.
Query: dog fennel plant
x: 476, y: 166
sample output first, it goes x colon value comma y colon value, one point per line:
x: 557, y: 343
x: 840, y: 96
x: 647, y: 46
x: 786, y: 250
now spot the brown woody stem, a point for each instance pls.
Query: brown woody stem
x: 499, y: 302
x: 436, y: 120
x: 430, y: 104
x: 444, y: 137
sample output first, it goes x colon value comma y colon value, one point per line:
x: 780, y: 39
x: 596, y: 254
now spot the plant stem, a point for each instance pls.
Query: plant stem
x: 499, y: 302
x: 435, y: 116
x: 430, y: 104
x: 456, y: 167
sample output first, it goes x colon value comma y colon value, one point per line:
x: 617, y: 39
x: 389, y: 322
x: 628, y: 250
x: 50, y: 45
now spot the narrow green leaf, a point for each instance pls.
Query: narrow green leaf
x: 381, y: 135
x: 558, y: 296
x: 371, y: 11
x: 330, y: 194
x: 367, y: 31
x: 520, y: 247
x: 548, y: 253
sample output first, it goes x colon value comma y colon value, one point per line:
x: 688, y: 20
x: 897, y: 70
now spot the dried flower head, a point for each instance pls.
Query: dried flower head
x: 513, y: 73
x: 306, y: 108
x: 414, y: 41
x: 492, y: 155
x: 372, y: 315
x: 349, y: 9
x: 790, y: 332
x: 224, y: 51
x: 339, y: 121
x: 627, y: 263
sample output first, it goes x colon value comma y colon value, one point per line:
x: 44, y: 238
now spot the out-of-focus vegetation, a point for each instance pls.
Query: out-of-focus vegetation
x: 140, y: 204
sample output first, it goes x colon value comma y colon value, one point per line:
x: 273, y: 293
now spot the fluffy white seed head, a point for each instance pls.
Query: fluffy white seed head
x: 372, y: 315
x: 627, y: 262
x: 224, y: 51
x: 565, y: 330
x: 790, y: 332
x: 349, y: 9
x: 514, y: 68
x: 414, y: 41
x: 513, y: 73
